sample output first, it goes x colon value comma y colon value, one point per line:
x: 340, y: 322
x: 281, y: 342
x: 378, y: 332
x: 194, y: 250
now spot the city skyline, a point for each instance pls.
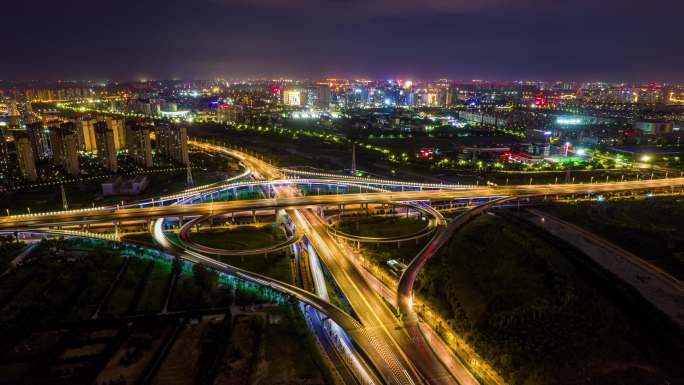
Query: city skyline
x: 342, y: 192
x: 579, y: 41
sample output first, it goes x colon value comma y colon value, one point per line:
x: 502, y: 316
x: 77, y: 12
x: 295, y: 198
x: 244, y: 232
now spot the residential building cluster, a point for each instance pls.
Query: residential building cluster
x: 63, y: 142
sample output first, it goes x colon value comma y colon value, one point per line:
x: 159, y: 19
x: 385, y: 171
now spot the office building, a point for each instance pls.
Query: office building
x: 172, y: 142
x: 106, y: 149
x: 65, y: 146
x: 27, y: 163
x: 293, y: 97
x: 138, y: 144
x: 317, y: 97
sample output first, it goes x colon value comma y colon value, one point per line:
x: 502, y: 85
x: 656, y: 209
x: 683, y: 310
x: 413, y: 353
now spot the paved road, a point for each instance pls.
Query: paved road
x: 400, y: 354
x: 190, y: 244
x: 211, y: 208
x: 658, y: 287
x: 388, y: 359
x: 407, y: 280
x: 393, y: 353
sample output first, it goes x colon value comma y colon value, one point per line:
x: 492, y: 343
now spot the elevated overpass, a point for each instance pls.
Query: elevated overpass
x: 393, y: 352
x: 211, y: 208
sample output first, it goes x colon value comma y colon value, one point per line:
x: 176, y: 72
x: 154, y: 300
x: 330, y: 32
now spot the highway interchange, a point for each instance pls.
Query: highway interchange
x: 393, y: 347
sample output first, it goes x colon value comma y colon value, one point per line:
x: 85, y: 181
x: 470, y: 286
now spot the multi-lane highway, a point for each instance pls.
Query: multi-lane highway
x: 212, y: 208
x: 393, y: 345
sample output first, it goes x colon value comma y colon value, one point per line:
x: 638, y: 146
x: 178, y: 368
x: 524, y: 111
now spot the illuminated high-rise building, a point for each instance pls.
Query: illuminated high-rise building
x: 117, y: 125
x: 85, y: 128
x: 4, y: 155
x: 106, y: 149
x: 138, y: 144
x: 27, y: 163
x: 13, y: 114
x: 431, y: 98
x: 65, y: 146
x: 40, y: 140
x: 293, y: 97
x: 172, y: 142
x: 319, y: 97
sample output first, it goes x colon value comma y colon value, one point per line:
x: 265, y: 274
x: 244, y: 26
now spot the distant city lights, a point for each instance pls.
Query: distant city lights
x: 566, y: 121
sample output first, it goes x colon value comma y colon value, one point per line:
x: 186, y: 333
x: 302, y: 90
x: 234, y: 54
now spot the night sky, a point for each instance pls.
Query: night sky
x: 583, y: 40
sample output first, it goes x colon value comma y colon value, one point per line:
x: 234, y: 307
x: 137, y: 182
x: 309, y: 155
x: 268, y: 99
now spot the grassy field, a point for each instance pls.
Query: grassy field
x: 380, y: 254
x: 650, y: 228
x: 154, y: 291
x: 381, y: 227
x: 537, y: 315
x: 181, y: 365
x: 200, y: 288
x: 288, y: 353
x: 123, y: 299
x: 237, y: 363
x: 134, y: 354
x: 8, y: 251
x: 56, y: 287
x: 240, y: 238
x: 275, y: 265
